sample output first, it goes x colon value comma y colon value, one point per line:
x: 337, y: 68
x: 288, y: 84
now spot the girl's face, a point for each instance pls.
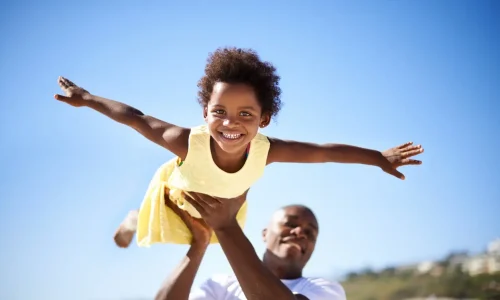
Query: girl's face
x: 234, y: 116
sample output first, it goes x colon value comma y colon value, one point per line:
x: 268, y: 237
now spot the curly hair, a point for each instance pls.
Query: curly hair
x: 236, y: 65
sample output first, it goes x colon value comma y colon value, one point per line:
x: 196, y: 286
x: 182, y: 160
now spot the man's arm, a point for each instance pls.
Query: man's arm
x: 178, y: 285
x: 169, y: 136
x: 256, y: 281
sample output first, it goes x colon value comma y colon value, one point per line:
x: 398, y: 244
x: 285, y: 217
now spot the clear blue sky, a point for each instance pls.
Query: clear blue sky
x: 369, y: 73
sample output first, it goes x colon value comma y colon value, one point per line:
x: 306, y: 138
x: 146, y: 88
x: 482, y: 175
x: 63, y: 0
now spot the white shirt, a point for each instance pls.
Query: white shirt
x: 224, y: 287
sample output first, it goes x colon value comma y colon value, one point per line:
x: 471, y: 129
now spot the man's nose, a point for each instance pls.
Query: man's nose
x: 298, y: 232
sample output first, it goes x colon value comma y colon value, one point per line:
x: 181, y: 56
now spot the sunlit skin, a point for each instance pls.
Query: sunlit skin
x: 290, y: 240
x: 233, y: 116
x: 233, y: 109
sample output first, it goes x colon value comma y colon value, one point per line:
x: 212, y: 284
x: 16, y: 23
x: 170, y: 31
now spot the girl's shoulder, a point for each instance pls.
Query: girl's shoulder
x: 261, y: 138
x: 200, y: 129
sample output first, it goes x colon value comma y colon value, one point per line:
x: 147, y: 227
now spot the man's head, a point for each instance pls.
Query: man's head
x: 291, y: 237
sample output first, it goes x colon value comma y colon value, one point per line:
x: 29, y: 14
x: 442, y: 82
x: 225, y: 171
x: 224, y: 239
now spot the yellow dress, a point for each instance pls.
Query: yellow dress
x: 157, y: 223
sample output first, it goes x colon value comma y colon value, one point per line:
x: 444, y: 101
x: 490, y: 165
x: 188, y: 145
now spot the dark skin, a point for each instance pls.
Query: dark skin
x: 234, y: 110
x: 178, y: 284
x: 290, y: 239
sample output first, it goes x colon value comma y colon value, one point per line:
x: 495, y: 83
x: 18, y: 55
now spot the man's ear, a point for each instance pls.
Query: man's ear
x: 264, y: 234
x: 265, y: 120
x: 205, y: 113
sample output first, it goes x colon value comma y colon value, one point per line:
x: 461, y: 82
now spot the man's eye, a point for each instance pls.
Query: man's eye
x: 291, y: 225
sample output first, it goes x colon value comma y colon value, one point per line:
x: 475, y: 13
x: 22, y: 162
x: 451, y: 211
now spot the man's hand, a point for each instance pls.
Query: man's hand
x: 199, y: 229
x: 179, y: 282
x: 75, y: 95
x: 400, y: 156
x: 218, y: 213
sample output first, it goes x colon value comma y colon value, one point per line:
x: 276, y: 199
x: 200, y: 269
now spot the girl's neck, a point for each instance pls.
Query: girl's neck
x: 228, y: 162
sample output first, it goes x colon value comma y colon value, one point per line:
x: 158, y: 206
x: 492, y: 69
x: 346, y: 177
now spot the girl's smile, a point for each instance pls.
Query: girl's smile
x: 233, y: 116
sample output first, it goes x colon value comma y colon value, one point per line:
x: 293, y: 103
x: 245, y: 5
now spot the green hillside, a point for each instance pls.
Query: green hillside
x: 391, y: 285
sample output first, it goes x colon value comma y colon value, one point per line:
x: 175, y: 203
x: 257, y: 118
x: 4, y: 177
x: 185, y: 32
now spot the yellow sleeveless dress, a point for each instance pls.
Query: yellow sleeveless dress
x: 157, y: 223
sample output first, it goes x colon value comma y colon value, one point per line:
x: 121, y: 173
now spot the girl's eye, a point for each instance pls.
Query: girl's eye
x: 245, y: 114
x: 219, y: 111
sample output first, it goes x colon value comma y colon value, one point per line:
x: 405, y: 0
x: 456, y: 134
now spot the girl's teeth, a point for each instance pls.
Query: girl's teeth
x: 231, y: 136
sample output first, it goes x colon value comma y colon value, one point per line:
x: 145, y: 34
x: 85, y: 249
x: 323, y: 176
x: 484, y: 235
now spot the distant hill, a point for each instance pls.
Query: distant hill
x: 405, y: 286
x: 457, y: 276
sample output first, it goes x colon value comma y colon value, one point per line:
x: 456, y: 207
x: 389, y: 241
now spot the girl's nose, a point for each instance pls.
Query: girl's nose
x: 230, y: 122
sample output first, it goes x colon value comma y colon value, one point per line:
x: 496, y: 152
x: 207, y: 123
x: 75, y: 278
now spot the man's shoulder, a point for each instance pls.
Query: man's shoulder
x: 320, y: 285
x: 322, y: 281
x: 215, y: 287
x: 310, y: 287
x: 222, y: 279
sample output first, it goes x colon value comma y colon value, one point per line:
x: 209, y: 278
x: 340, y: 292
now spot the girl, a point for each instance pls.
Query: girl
x: 239, y: 94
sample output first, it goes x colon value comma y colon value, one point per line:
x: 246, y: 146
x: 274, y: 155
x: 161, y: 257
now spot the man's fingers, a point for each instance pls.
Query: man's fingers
x: 240, y: 202
x: 61, y: 97
x: 196, y: 204
x: 406, y: 162
x: 240, y: 199
x: 210, y: 200
x: 207, y: 200
x: 195, y: 197
x: 203, y: 200
x: 170, y: 204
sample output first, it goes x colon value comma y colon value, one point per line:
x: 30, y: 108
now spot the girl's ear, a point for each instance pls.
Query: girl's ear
x: 264, y: 120
x: 205, y: 113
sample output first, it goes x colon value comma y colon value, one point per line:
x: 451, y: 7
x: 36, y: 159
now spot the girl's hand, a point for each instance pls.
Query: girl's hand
x: 75, y: 95
x: 199, y: 229
x: 400, y: 156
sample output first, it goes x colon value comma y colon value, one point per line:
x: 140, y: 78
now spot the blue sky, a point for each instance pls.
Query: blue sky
x: 368, y: 73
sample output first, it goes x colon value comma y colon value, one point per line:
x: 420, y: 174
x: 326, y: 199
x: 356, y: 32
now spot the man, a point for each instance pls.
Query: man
x: 290, y: 238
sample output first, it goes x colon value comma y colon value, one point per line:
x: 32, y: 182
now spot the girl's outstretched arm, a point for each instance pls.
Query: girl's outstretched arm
x: 169, y: 136
x: 300, y: 152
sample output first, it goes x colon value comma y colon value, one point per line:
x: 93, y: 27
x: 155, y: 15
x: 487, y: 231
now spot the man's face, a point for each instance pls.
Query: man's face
x: 291, y: 235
